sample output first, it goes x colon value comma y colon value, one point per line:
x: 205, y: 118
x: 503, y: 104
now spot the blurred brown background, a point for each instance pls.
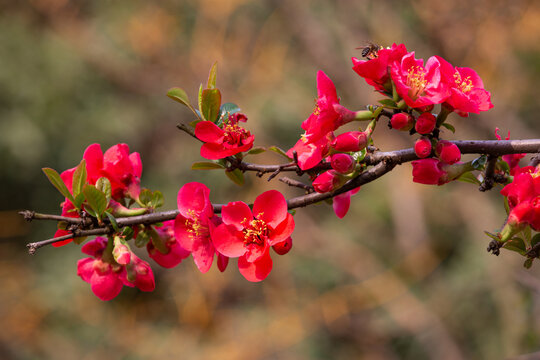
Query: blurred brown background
x: 404, y: 276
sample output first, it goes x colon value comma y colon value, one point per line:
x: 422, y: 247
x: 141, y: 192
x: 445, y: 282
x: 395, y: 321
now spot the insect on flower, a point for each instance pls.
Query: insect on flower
x: 370, y: 51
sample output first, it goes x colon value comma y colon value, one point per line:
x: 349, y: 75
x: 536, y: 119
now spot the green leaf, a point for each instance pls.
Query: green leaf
x: 212, y: 77
x: 279, y: 151
x: 145, y: 197
x: 200, y: 99
x: 535, y: 240
x: 236, y: 176
x: 468, y: 177
x: 528, y: 263
x: 142, y: 239
x: 78, y: 201
x: 127, y: 233
x: 104, y: 185
x: 58, y: 183
x: 256, y: 150
x: 211, y: 101
x: 79, y: 178
x: 96, y: 199
x: 229, y: 109
x: 516, y: 244
x: 449, y: 127
x: 79, y: 240
x: 503, y: 165
x: 112, y: 219
x: 157, y: 199
x: 179, y: 95
x: 479, y: 163
x: 389, y: 103
x: 204, y: 165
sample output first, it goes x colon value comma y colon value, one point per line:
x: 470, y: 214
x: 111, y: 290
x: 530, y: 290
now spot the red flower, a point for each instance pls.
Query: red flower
x: 175, y: 252
x: 123, y: 169
x: 310, y: 154
x: 467, y: 93
x: 448, y: 152
x: 250, y: 234
x: 106, y: 279
x: 422, y: 147
x: 327, y: 181
x: 324, y: 118
x: 425, y: 123
x: 402, y: 121
x: 350, y: 141
x: 376, y: 71
x: 342, y: 202
x: 220, y: 143
x: 429, y: 172
x: 419, y: 86
x: 343, y: 163
x: 193, y: 224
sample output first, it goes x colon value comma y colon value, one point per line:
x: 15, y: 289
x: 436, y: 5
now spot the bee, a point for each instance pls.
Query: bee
x: 370, y: 51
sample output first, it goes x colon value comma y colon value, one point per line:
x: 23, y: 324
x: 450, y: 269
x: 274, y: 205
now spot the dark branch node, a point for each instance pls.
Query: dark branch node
x: 494, y: 247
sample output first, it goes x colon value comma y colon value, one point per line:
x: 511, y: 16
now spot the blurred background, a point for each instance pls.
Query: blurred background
x: 405, y: 275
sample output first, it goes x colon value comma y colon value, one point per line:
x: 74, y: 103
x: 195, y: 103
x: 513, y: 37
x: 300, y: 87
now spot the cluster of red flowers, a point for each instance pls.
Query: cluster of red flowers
x: 239, y: 232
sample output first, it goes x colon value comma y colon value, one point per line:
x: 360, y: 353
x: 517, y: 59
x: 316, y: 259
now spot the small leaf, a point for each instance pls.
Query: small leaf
x: 229, y: 109
x: 449, y: 127
x: 535, y: 240
x: 128, y: 233
x: 58, y: 183
x: 504, y: 166
x: 157, y: 199
x: 468, y: 177
x: 203, y: 165
x: 96, y: 199
x: 104, y: 185
x: 389, y: 103
x: 200, y: 99
x: 279, y: 151
x: 112, y: 219
x: 145, y: 197
x: 78, y: 201
x: 79, y: 178
x: 211, y: 101
x: 79, y: 240
x: 528, y: 263
x: 479, y: 163
x: 179, y: 95
x: 236, y: 176
x: 516, y: 244
x: 256, y: 150
x: 212, y: 77
x: 142, y: 239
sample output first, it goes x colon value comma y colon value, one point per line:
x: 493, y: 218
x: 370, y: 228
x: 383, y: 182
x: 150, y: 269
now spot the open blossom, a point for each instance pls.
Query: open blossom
x: 309, y: 153
x: 193, y: 224
x: 222, y: 142
x: 175, y: 252
x: 523, y: 195
x: 467, y: 93
x: 376, y: 71
x: 324, y: 118
x: 248, y: 234
x: 417, y: 84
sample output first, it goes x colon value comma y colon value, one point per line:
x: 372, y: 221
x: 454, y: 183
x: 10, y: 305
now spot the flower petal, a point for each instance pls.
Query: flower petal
x: 194, y: 197
x: 228, y: 240
x: 255, y: 271
x: 271, y: 207
x: 236, y: 213
x: 207, y: 131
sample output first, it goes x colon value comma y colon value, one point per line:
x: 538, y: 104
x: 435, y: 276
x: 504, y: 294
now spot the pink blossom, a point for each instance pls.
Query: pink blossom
x: 342, y: 202
x: 193, y: 224
x: 425, y: 123
x: 248, y: 234
x: 326, y: 182
x: 422, y: 147
x: 448, y: 152
x: 343, y: 163
x: 350, y: 141
x: 429, y: 172
x: 175, y: 252
x: 222, y: 142
x: 402, y: 121
x: 310, y: 154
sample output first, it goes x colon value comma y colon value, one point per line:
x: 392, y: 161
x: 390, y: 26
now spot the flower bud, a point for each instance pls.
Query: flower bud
x: 425, y: 123
x: 350, y: 141
x: 448, y: 152
x: 121, y: 252
x: 428, y: 171
x: 144, y: 277
x: 326, y: 182
x: 402, y: 121
x: 422, y: 147
x: 343, y: 163
x: 283, y: 247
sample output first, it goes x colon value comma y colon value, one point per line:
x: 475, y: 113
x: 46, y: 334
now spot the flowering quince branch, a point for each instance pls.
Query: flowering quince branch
x: 103, y: 196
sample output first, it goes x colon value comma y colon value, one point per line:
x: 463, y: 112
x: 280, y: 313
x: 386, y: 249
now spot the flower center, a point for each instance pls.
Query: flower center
x: 416, y: 81
x: 194, y: 226
x: 255, y: 232
x: 465, y: 85
x: 234, y: 134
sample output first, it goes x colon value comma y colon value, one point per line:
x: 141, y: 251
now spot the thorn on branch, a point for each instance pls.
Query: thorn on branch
x: 291, y: 182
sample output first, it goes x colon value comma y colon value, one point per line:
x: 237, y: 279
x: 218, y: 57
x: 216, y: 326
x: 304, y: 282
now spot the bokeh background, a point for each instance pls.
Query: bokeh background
x: 405, y: 275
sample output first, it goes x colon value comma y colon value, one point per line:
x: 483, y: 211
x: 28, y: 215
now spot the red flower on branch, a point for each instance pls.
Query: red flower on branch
x: 222, y: 142
x: 175, y: 252
x: 309, y: 153
x: 248, y: 234
x: 193, y: 224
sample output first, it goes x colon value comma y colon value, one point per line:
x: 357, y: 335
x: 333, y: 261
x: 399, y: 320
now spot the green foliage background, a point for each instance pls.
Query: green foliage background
x: 404, y: 276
